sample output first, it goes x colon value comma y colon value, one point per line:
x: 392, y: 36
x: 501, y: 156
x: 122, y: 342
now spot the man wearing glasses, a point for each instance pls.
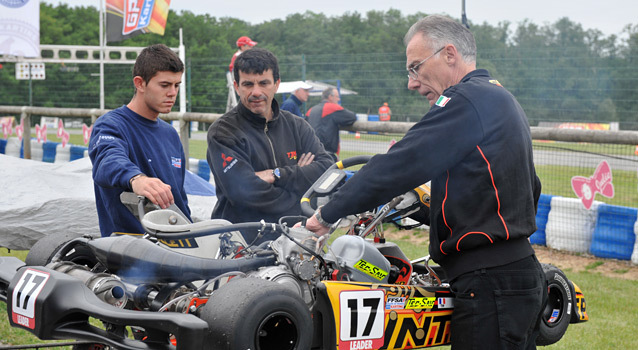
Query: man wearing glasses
x: 474, y: 144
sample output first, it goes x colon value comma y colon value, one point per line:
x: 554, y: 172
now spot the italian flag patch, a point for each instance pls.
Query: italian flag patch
x: 442, y: 101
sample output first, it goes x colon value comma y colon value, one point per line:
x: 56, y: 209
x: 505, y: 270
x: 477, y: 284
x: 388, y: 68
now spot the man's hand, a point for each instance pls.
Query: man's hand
x: 266, y: 175
x: 305, y: 159
x: 312, y: 224
x: 154, y: 189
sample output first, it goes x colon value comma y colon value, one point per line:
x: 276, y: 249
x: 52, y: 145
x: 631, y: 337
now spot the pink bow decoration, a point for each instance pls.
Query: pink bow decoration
x: 86, y: 131
x: 60, y: 128
x: 600, y: 182
x: 7, y: 129
x: 65, y: 138
x: 20, y: 129
x: 41, y: 132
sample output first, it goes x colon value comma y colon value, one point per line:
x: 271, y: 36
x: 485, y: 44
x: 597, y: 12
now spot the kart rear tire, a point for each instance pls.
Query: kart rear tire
x: 555, y: 316
x: 43, y: 251
x: 252, y: 313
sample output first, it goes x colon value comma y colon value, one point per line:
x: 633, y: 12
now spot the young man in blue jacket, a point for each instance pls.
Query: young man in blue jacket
x: 475, y: 146
x: 133, y: 150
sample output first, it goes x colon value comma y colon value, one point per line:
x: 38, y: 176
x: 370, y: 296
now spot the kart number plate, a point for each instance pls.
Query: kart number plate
x: 25, y: 294
x: 362, y: 319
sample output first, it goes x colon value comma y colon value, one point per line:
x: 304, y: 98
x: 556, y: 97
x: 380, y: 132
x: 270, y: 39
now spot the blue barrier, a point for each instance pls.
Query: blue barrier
x: 77, y: 152
x: 544, y: 206
x: 3, y: 145
x: 614, y: 235
x: 48, y: 151
x: 203, y: 170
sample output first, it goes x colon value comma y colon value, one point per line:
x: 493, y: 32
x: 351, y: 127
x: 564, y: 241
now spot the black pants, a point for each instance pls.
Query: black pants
x: 499, y: 307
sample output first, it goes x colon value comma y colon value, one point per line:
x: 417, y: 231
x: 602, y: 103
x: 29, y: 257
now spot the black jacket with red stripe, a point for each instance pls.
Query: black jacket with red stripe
x: 326, y: 118
x: 475, y: 146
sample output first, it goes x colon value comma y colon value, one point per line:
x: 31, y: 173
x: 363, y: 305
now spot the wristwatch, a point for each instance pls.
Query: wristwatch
x: 276, y: 173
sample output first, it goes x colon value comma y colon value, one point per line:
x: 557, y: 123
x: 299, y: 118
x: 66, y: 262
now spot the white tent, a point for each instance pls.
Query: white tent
x: 286, y: 87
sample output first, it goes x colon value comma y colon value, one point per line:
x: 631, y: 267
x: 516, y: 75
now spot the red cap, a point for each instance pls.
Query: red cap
x: 244, y: 40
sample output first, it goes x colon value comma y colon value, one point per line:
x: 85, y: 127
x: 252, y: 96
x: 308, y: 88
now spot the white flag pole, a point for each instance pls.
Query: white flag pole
x: 102, y: 33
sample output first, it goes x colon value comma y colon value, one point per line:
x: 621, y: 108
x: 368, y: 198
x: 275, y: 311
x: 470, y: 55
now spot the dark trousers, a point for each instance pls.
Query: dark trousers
x: 499, y: 307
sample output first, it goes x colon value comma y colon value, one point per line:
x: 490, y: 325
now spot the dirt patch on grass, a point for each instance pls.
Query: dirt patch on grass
x: 566, y: 261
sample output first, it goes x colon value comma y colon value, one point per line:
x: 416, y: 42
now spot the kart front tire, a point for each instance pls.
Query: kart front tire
x: 555, y: 316
x: 44, y: 249
x: 252, y: 313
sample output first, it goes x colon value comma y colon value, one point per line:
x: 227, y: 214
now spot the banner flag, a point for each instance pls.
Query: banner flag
x: 128, y: 18
x: 20, y: 28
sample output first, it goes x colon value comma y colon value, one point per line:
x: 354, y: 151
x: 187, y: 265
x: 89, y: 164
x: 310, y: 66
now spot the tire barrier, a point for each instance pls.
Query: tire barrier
x: 13, y: 147
x: 78, y: 152
x: 3, y: 145
x: 36, y: 150
x: 544, y: 206
x: 201, y: 168
x: 49, y: 150
x: 62, y: 154
x: 569, y: 225
x: 634, y: 256
x: 614, y: 235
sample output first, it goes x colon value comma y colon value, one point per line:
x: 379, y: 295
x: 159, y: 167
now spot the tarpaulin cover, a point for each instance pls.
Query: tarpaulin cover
x: 38, y: 198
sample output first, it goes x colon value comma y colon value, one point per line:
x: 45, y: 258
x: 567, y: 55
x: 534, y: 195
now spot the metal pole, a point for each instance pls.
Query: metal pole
x: 463, y: 16
x: 101, y: 54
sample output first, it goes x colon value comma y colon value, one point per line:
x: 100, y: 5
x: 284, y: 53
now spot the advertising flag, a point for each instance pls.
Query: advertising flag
x: 128, y: 18
x: 20, y: 28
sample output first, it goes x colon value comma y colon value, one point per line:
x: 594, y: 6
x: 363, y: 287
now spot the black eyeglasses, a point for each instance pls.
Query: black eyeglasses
x: 412, y: 71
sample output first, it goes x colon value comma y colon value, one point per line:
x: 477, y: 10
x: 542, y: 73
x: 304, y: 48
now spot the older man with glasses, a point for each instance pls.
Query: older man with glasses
x: 474, y: 144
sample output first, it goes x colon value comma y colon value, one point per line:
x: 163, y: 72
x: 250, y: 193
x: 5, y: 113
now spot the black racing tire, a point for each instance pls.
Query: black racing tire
x: 555, y: 316
x: 252, y: 313
x: 43, y: 251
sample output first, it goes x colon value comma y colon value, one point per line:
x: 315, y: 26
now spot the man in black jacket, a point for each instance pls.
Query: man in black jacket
x: 475, y: 146
x: 326, y: 118
x: 263, y: 159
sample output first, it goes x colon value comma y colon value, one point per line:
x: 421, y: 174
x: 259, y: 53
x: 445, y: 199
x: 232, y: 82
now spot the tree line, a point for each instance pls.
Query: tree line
x: 558, y: 71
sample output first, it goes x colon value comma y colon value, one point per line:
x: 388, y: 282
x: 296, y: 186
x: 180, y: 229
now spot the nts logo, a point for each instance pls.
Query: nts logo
x: 226, y: 160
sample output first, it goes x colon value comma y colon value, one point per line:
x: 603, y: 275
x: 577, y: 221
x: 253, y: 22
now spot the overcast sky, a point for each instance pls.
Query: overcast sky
x: 609, y: 16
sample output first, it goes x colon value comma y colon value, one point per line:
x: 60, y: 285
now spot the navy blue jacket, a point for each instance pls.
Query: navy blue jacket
x: 292, y: 104
x: 475, y: 146
x: 124, y: 144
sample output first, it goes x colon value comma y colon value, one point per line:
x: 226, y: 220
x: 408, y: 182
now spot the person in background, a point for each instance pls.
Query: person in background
x: 133, y: 150
x: 474, y: 144
x: 326, y: 118
x: 263, y: 159
x: 385, y: 113
x: 293, y: 103
x: 243, y: 43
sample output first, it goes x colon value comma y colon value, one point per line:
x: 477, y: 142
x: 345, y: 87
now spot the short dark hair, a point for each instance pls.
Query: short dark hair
x: 256, y: 61
x: 156, y: 58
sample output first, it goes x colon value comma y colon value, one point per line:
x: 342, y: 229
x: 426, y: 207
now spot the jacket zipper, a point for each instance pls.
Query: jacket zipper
x: 272, y: 148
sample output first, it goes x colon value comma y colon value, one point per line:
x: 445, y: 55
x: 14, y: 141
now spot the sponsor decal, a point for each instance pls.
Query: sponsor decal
x: 370, y: 269
x: 137, y: 15
x: 362, y: 319
x: 176, y: 162
x: 180, y: 243
x: 226, y: 159
x: 600, y: 182
x: 420, y: 303
x: 442, y: 101
x: 395, y: 303
x: 292, y: 155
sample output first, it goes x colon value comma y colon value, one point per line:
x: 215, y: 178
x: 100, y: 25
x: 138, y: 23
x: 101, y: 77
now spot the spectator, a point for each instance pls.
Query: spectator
x: 243, y: 43
x: 475, y: 146
x: 293, y: 103
x: 263, y: 159
x: 385, y: 113
x: 133, y: 150
x: 327, y: 117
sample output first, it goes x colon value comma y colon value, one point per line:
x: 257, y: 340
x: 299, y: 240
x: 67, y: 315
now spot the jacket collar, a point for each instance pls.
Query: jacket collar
x: 257, y: 119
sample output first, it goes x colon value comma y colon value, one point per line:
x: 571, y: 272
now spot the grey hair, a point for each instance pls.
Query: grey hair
x: 440, y: 31
x: 327, y: 92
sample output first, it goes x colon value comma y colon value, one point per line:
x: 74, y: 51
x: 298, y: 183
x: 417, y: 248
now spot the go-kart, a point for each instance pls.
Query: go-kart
x: 186, y: 285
